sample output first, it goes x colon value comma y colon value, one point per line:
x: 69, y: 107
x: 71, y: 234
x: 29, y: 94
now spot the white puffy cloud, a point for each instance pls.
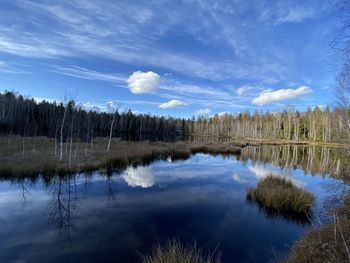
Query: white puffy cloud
x: 172, y: 104
x: 143, y: 82
x: 140, y: 176
x: 243, y: 89
x: 269, y: 96
x: 88, y: 106
x: 202, y: 112
x: 111, y: 106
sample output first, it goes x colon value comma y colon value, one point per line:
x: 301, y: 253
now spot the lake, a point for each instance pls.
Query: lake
x: 99, y: 218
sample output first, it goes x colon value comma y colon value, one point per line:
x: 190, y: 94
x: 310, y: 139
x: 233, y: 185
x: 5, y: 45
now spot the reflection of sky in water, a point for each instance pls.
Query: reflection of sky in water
x: 100, y: 219
x: 139, y: 176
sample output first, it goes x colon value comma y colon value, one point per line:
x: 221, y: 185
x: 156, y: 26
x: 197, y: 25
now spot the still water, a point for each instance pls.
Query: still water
x: 96, y: 218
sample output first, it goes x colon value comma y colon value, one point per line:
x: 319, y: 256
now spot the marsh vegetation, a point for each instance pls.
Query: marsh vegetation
x: 82, y: 157
x: 328, y: 242
x: 175, y: 252
x: 278, y: 192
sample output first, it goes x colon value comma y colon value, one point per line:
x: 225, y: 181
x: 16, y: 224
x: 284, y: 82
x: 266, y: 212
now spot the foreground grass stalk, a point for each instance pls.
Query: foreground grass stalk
x: 175, y: 252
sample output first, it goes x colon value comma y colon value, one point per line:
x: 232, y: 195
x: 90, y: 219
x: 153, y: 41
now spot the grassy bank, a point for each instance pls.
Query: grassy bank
x: 40, y: 155
x: 279, y: 193
x: 175, y: 252
x: 328, y: 243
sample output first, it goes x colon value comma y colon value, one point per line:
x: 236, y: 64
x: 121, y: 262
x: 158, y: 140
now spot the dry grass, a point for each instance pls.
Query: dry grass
x: 175, y: 252
x: 279, y: 193
x: 42, y: 159
x: 328, y: 243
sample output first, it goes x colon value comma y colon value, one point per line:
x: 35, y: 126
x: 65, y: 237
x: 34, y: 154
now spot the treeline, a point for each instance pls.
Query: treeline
x: 319, y: 125
x: 69, y: 122
x: 26, y: 117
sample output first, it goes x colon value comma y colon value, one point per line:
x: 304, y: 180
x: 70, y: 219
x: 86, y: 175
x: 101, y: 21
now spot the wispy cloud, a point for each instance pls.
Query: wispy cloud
x: 83, y: 73
x: 87, y: 28
x: 13, y: 68
x: 186, y: 89
x: 31, y: 47
x: 289, y: 11
x: 147, y: 82
x: 236, y: 42
x: 243, y: 89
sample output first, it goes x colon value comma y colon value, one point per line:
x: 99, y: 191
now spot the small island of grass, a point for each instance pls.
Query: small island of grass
x: 279, y: 193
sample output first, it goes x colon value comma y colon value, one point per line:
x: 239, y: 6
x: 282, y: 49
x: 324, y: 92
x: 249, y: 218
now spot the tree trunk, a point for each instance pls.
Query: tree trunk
x: 110, y: 134
x: 61, y: 133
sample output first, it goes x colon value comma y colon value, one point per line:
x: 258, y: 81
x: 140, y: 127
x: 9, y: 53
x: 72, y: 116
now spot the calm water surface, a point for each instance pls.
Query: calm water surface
x: 95, y: 218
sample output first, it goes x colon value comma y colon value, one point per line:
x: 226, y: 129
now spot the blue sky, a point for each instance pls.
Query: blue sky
x: 170, y: 57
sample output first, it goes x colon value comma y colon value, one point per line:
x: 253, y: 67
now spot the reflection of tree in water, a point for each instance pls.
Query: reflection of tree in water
x: 23, y: 189
x: 63, y: 203
x: 111, y: 192
x: 333, y: 200
x: 64, y: 200
x: 313, y: 159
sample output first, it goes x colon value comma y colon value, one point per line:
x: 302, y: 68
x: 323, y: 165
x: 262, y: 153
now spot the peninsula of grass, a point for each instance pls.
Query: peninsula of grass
x: 41, y: 155
x: 279, y: 193
x: 175, y: 252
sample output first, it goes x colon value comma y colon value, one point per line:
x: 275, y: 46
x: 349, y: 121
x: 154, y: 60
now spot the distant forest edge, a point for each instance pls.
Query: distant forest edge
x: 68, y: 121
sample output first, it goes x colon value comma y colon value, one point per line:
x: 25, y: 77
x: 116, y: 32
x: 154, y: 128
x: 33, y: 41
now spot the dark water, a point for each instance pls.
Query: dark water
x: 95, y: 218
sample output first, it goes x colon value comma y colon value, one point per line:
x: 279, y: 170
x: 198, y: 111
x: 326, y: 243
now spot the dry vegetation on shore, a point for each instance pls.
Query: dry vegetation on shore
x: 328, y: 243
x: 41, y: 155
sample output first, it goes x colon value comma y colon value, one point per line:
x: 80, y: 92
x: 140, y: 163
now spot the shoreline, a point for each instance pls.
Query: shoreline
x: 259, y: 142
x: 41, y: 155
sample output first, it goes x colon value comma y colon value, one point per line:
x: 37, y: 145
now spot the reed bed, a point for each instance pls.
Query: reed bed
x: 281, y: 194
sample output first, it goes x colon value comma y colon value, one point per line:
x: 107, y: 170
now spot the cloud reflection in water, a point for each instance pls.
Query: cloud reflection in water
x: 139, y: 176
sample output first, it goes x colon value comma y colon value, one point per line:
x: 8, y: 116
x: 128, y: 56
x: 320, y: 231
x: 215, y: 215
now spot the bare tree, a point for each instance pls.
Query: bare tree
x: 341, y: 47
x: 25, y: 130
x: 62, y: 127
x: 112, y: 110
x: 342, y: 97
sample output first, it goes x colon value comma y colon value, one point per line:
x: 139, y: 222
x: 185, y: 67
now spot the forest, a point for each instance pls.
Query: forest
x: 70, y: 122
